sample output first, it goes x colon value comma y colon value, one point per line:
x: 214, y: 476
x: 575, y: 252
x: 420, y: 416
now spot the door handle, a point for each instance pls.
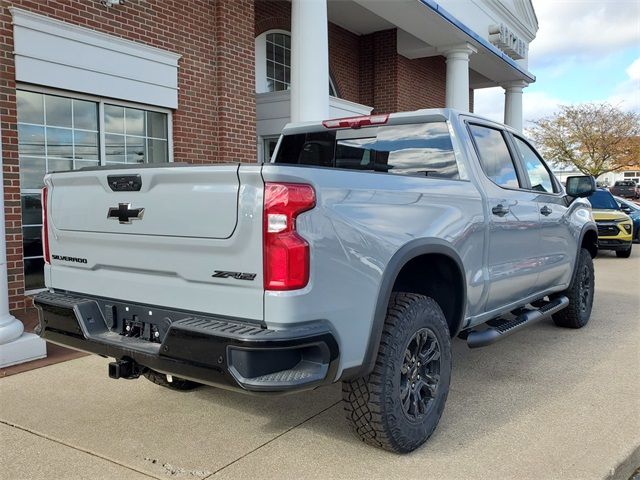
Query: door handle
x: 546, y: 211
x: 500, y: 210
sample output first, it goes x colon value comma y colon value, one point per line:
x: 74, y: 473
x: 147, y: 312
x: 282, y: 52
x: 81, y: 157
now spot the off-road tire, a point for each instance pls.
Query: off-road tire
x: 580, y: 294
x: 624, y: 253
x: 373, y: 403
x: 177, y: 383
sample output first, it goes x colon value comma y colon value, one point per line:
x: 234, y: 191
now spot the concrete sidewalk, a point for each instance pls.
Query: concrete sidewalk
x: 546, y: 403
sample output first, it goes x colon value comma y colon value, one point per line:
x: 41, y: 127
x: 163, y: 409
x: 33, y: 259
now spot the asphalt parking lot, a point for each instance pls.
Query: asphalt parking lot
x: 545, y: 403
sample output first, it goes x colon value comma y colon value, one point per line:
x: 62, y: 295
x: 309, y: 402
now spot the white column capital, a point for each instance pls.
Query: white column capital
x: 458, y: 52
x: 514, y: 87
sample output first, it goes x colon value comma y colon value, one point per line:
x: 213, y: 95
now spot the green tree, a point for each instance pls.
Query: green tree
x: 596, y: 138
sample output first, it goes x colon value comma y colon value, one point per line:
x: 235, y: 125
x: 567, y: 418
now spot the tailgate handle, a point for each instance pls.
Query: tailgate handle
x: 125, y: 183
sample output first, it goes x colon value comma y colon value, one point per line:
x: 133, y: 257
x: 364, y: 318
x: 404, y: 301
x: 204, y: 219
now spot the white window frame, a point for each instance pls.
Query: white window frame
x: 262, y: 85
x: 262, y: 154
x: 101, y: 101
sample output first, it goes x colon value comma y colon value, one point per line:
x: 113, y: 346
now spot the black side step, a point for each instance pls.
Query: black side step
x: 482, y: 338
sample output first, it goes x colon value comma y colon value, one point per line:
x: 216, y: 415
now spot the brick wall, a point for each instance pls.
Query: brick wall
x: 421, y: 83
x: 215, y: 120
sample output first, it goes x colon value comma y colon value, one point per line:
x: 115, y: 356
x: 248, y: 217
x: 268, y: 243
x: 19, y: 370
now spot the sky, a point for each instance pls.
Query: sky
x: 584, y: 51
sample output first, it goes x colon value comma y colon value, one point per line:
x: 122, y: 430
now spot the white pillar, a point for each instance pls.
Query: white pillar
x: 309, y: 61
x: 513, y: 104
x: 457, y: 87
x: 15, y: 345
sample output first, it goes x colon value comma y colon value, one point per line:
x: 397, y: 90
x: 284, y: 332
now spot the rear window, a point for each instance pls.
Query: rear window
x: 415, y: 149
x: 625, y: 183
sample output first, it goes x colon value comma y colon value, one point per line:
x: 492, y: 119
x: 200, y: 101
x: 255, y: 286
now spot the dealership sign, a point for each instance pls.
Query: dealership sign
x: 506, y: 40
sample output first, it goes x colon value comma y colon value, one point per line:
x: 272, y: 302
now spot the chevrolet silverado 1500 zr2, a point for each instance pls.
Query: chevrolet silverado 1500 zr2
x: 355, y: 255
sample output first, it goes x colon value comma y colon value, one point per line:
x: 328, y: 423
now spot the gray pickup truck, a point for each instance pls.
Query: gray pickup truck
x: 355, y: 255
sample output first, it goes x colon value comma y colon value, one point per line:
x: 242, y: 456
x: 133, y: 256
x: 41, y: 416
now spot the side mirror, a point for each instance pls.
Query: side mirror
x: 581, y: 186
x: 625, y: 209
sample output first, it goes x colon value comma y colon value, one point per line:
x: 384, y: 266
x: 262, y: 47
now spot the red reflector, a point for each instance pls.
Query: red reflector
x: 356, y: 122
x: 286, y: 254
x: 45, y: 228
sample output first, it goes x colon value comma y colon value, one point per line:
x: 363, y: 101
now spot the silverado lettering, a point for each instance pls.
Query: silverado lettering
x: 64, y: 258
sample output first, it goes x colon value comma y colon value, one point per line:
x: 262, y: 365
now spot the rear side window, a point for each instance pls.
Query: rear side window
x: 415, y: 149
x: 494, y: 156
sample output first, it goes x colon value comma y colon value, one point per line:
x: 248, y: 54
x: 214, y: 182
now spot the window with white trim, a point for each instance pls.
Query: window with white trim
x: 273, y: 62
x: 57, y: 133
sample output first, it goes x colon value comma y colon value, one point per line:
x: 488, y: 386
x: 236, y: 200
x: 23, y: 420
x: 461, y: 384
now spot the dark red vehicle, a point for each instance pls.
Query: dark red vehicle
x: 625, y: 188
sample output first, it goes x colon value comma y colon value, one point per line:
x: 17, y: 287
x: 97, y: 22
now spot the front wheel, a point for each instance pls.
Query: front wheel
x: 397, y: 406
x: 580, y: 295
x: 624, y: 253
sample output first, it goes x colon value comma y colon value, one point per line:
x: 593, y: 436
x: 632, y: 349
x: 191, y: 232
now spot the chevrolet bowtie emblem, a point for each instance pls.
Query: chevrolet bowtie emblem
x: 124, y: 213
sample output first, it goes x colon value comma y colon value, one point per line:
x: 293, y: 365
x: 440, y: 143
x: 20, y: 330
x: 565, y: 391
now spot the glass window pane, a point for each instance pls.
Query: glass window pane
x: 30, y: 107
x: 30, y: 140
x: 157, y: 151
x: 538, y: 175
x: 31, y: 209
x: 33, y: 273
x: 57, y: 111
x: 270, y: 70
x: 279, y: 55
x: 114, y: 148
x: 494, y: 154
x: 278, y: 73
x: 136, y: 150
x: 59, y: 165
x: 85, y: 163
x: 85, y: 115
x: 134, y: 121
x: 86, y: 145
x: 32, y: 172
x: 113, y: 119
x: 32, y: 241
x: 59, y: 142
x: 156, y: 125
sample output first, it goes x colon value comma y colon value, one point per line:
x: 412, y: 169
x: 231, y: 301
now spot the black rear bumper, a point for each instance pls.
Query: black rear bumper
x: 216, y: 351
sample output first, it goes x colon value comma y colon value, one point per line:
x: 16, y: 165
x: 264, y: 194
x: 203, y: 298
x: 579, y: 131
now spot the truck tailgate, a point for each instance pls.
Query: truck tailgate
x: 160, y: 242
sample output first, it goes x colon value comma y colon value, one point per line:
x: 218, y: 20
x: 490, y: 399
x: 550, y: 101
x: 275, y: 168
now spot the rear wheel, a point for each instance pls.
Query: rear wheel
x: 176, y: 383
x: 580, y: 295
x: 624, y: 253
x: 397, y: 407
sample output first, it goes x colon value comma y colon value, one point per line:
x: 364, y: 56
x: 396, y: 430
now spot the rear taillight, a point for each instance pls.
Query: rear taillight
x: 45, y: 228
x: 356, y: 122
x: 286, y: 254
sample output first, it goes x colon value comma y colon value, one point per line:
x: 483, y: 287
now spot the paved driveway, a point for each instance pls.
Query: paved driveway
x: 546, y: 403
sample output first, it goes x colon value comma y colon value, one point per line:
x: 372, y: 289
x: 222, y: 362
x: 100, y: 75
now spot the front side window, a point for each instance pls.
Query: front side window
x: 57, y: 133
x: 494, y: 156
x: 419, y: 149
x: 538, y: 174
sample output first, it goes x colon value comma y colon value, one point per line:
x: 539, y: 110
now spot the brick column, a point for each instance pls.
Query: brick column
x: 379, y: 71
x: 234, y: 43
